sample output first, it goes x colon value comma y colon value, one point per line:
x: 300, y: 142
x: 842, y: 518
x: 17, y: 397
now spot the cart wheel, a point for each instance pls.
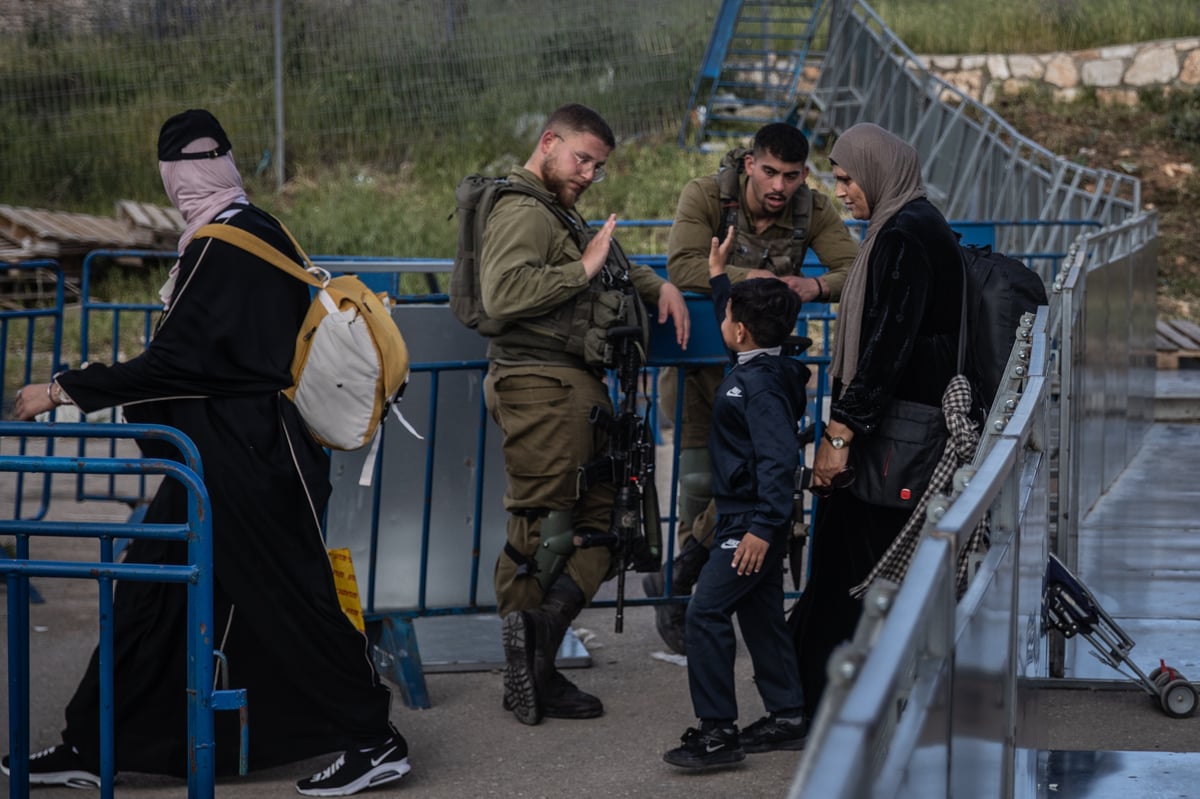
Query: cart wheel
x: 1178, y: 699
x: 1152, y: 676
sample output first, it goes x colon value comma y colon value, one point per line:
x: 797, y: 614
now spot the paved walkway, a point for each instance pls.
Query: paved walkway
x: 463, y: 746
x: 1140, y: 555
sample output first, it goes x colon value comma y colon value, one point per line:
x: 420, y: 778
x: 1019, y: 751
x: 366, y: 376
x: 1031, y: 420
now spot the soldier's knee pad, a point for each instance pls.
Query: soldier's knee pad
x: 556, y: 544
x: 695, y: 483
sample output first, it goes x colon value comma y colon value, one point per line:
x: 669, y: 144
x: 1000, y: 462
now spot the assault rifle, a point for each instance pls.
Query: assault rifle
x: 635, y: 533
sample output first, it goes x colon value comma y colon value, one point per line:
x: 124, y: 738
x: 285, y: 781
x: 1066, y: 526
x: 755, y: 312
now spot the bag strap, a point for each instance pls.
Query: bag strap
x: 572, y: 224
x: 962, y: 319
x: 242, y: 239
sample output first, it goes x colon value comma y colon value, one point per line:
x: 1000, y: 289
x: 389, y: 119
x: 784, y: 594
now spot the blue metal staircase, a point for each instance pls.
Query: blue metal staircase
x: 753, y: 69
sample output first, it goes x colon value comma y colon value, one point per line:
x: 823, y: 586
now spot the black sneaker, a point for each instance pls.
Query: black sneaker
x: 355, y: 770
x: 769, y: 734
x: 707, y: 749
x: 520, y: 677
x: 58, y: 765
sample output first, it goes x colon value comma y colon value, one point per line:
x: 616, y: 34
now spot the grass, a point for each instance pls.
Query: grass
x: 1034, y: 26
x: 394, y: 197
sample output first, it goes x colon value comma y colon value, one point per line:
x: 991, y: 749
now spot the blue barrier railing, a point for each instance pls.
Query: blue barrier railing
x: 19, y: 332
x: 197, y: 574
x: 816, y: 322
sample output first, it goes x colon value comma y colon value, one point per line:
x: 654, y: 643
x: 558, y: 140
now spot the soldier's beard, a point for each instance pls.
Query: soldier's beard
x: 561, y: 187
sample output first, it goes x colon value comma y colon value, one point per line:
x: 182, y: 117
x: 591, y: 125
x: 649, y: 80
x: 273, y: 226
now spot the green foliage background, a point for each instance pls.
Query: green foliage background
x: 390, y: 103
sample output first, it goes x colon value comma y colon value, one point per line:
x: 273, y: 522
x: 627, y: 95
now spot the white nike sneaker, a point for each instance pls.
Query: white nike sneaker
x: 357, y: 769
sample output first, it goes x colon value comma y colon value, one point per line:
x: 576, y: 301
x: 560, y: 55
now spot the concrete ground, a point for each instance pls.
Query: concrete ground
x: 464, y: 745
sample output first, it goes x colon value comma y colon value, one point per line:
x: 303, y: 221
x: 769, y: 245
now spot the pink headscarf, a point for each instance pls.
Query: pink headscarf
x: 200, y: 189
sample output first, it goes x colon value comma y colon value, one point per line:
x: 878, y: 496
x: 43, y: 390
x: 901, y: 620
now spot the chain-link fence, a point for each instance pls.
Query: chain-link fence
x: 85, y: 84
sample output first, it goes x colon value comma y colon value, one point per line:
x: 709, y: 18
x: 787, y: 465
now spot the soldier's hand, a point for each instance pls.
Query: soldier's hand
x: 597, y: 250
x: 671, y: 305
x: 808, y: 289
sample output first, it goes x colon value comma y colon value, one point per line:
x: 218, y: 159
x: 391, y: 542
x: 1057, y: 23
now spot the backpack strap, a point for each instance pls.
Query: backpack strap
x: 244, y: 240
x: 727, y: 195
x: 572, y: 224
x: 962, y: 319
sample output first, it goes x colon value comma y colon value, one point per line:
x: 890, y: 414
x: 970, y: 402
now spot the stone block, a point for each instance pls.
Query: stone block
x: 1158, y: 63
x: 1190, y: 73
x: 997, y: 66
x: 1061, y: 72
x: 1026, y: 66
x: 1106, y: 72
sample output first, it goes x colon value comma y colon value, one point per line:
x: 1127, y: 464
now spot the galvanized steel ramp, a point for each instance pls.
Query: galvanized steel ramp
x: 757, y: 58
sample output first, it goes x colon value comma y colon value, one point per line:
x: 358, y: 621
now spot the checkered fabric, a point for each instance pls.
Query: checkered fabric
x: 960, y: 449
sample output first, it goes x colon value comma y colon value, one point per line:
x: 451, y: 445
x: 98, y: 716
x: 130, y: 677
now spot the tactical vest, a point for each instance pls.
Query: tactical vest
x: 782, y: 256
x: 578, y: 327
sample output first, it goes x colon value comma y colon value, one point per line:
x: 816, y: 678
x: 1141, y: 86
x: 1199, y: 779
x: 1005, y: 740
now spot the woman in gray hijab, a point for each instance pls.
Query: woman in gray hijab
x: 896, y: 339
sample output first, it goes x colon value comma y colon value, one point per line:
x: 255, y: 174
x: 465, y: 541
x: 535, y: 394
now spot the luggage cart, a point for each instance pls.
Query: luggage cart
x: 1069, y: 607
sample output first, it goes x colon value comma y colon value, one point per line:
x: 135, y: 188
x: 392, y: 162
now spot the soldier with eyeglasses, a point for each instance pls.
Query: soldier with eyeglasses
x: 553, y: 284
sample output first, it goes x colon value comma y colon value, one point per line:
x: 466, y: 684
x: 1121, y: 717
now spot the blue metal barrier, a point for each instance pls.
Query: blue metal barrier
x: 202, y: 699
x: 458, y: 496
x: 19, y: 327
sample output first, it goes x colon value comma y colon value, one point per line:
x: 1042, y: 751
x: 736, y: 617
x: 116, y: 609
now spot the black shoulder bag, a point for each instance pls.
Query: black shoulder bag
x: 894, y: 464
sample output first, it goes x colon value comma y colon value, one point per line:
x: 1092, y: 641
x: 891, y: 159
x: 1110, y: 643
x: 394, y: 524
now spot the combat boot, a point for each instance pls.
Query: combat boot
x: 560, y: 698
x: 519, y: 636
x: 670, y: 618
x: 533, y: 687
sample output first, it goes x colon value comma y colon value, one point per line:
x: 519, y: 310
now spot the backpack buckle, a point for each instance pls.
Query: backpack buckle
x: 320, y: 274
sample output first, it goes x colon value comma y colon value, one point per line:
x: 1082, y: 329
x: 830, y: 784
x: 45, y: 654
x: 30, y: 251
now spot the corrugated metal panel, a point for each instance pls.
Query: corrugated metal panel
x: 52, y: 234
x: 1177, y: 342
x: 163, y: 223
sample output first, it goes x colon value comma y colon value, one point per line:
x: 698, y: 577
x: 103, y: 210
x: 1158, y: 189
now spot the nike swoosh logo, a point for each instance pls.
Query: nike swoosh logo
x: 375, y: 761
x: 710, y: 748
x: 730, y: 543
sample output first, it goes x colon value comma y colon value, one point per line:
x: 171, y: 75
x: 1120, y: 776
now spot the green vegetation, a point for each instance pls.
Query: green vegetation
x: 1033, y: 26
x: 373, y: 162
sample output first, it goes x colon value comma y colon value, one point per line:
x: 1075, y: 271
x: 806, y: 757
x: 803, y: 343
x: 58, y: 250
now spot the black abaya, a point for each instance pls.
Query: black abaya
x: 214, y: 370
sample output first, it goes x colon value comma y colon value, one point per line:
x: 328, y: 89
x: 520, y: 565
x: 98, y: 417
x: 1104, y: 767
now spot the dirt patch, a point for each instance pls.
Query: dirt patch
x: 1147, y: 144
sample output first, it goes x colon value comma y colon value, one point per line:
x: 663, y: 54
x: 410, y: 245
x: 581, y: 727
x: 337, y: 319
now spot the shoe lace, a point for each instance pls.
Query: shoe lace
x: 331, y: 769
x: 49, y: 750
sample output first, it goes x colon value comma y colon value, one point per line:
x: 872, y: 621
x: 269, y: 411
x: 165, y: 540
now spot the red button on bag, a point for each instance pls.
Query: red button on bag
x: 905, y: 494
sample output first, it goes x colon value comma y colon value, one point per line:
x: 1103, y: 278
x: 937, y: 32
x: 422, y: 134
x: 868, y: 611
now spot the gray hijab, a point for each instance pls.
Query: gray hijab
x: 888, y: 171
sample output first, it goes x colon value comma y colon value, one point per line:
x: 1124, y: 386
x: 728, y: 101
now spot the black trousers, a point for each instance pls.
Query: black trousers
x: 757, y: 599
x: 849, y: 537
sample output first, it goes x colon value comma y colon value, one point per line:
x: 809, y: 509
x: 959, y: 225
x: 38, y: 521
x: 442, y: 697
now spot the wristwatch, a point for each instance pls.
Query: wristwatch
x: 837, y: 442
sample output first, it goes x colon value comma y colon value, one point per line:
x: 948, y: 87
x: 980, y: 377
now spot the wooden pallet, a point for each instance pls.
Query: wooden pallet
x: 1177, y: 344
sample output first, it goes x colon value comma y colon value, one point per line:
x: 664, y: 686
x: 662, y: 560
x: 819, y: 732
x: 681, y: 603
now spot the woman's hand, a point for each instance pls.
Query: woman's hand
x: 32, y: 400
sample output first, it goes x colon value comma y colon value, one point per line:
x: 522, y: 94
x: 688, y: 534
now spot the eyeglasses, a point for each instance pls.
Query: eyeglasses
x: 584, y: 162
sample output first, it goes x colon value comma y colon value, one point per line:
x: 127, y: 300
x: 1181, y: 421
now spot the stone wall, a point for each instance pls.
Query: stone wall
x: 1116, y: 74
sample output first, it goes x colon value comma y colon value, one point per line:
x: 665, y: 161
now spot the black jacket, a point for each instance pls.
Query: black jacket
x: 753, y: 442
x: 909, y: 343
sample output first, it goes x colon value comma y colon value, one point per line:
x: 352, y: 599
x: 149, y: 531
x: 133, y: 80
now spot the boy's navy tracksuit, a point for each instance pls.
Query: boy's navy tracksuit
x: 755, y: 453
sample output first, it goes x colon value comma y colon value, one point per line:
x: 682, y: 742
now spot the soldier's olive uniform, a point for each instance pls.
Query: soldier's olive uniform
x: 780, y: 249
x: 541, y: 385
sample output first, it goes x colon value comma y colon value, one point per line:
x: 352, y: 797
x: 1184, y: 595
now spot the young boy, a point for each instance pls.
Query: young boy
x: 754, y: 454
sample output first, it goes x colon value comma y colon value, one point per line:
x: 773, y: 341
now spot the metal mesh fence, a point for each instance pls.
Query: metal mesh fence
x: 85, y: 84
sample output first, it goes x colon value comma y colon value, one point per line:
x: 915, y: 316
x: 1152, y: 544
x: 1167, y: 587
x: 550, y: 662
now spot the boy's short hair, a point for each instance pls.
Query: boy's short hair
x: 767, y: 307
x: 783, y: 141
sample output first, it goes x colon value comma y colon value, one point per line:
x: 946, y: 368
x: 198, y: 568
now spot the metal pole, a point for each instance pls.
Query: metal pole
x: 279, y: 163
